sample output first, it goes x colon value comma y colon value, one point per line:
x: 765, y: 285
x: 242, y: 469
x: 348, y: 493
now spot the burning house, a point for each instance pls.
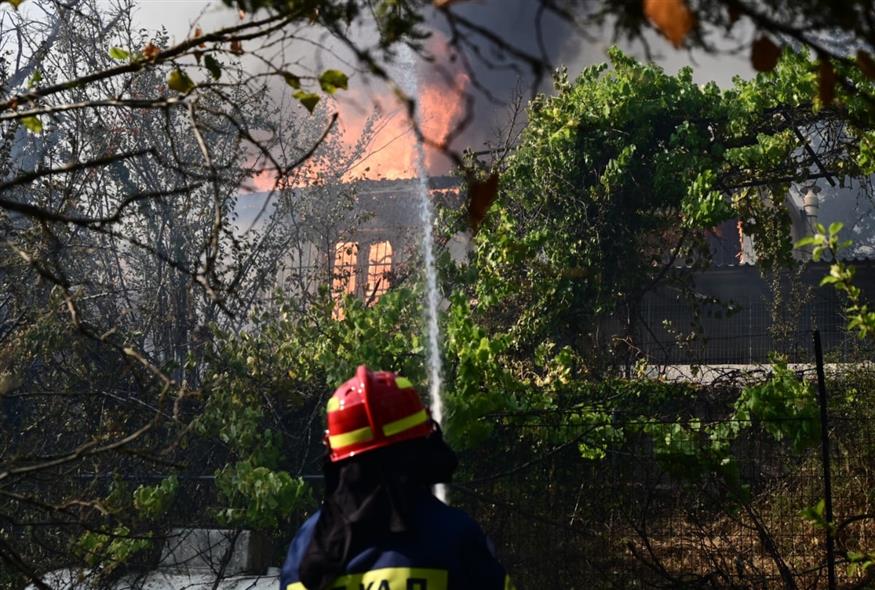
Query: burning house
x: 360, y: 237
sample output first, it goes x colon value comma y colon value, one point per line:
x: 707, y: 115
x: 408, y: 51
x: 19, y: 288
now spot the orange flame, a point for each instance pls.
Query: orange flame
x: 391, y: 151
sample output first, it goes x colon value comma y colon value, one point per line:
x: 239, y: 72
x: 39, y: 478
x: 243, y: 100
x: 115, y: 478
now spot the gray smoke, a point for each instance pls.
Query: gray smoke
x: 497, y: 75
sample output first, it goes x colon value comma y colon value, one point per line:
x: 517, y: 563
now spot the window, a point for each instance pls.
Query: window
x: 379, y: 270
x: 346, y: 274
x: 343, y: 273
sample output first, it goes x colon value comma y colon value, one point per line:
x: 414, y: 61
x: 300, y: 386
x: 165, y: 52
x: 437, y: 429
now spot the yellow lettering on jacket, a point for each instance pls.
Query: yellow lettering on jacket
x: 389, y: 578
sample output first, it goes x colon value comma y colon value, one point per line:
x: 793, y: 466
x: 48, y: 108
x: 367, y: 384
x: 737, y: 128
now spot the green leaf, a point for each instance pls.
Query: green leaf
x: 119, y: 54
x: 835, y: 227
x: 35, y: 78
x: 214, y: 66
x: 33, y: 124
x: 152, y: 501
x: 815, y: 514
x: 179, y: 81
x: 308, y: 99
x: 332, y: 80
x: 292, y: 80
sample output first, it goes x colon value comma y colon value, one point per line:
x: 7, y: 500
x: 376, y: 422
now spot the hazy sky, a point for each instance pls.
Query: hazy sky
x: 512, y: 19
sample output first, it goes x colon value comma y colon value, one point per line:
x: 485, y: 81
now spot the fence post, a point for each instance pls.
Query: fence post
x: 824, y: 449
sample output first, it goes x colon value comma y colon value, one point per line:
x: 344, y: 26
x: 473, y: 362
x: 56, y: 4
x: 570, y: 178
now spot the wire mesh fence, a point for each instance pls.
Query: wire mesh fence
x: 663, y: 508
x: 743, y: 331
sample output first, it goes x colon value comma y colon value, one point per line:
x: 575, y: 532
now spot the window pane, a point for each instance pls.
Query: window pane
x: 379, y: 270
x: 343, y: 273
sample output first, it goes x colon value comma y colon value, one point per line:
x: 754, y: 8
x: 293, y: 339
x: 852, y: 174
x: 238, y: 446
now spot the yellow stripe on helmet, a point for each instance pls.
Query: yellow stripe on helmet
x: 406, y: 423
x: 350, y: 438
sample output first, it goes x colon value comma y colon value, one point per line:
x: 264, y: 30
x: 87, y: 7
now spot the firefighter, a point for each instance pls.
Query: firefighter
x: 380, y: 527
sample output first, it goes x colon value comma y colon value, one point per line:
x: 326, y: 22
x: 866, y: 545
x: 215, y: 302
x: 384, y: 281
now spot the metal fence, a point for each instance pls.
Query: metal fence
x: 642, y: 518
x: 742, y: 332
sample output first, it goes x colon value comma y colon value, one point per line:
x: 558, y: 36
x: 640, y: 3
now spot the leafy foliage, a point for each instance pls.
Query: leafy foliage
x: 616, y: 182
x: 119, y: 54
x: 332, y: 80
x: 110, y: 549
x: 826, y: 241
x: 179, y: 81
x: 259, y: 497
x: 214, y: 66
x: 785, y: 406
x: 33, y: 124
x: 153, y: 501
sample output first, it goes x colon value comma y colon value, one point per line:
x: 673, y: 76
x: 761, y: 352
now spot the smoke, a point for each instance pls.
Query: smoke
x: 500, y: 78
x: 468, y: 85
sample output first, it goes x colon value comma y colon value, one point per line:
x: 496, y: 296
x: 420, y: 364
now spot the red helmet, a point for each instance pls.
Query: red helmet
x: 374, y: 410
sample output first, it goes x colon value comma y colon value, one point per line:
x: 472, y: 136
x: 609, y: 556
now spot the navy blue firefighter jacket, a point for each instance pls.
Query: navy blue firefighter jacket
x: 445, y: 550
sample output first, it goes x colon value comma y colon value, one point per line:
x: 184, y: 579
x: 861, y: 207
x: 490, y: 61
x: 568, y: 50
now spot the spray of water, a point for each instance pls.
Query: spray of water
x: 410, y: 85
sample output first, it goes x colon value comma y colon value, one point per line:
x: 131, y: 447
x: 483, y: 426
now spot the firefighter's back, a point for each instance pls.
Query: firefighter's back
x: 443, y: 550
